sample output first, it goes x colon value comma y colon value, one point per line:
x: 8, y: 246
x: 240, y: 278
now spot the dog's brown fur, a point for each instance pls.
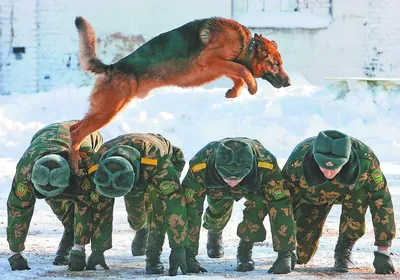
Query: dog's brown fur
x: 191, y: 55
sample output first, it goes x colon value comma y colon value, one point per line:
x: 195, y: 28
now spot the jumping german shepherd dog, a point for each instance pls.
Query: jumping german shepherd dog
x: 191, y: 55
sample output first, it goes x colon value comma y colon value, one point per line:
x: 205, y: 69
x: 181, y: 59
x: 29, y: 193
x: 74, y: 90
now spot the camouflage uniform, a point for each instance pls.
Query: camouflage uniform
x: 52, y: 139
x: 358, y: 185
x: 264, y: 189
x: 156, y: 198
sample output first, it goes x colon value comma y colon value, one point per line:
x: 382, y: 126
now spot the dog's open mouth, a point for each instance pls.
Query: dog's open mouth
x: 276, y: 80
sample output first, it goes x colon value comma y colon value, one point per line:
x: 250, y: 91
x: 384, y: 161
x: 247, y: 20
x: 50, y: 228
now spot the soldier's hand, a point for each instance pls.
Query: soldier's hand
x: 77, y: 260
x: 177, y: 259
x: 382, y: 263
x: 18, y: 262
x: 193, y: 266
x: 282, y: 264
x: 96, y: 258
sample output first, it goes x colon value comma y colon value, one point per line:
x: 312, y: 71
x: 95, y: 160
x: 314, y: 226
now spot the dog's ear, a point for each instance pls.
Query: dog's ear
x: 258, y: 38
x: 275, y: 44
x: 260, y: 46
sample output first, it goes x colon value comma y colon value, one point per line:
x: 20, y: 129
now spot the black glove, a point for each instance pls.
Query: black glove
x: 96, y: 258
x: 282, y: 264
x: 18, y: 262
x: 77, y: 260
x: 382, y: 263
x: 193, y: 266
x: 177, y: 259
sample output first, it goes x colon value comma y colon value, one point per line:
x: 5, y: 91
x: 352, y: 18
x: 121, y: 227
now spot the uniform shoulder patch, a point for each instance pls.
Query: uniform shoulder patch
x: 377, y: 176
x: 278, y: 192
x: 199, y: 166
x: 148, y: 161
x: 21, y: 190
x: 166, y: 187
x: 266, y: 165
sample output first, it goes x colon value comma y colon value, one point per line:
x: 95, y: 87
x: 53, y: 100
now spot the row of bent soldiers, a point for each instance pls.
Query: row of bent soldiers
x: 331, y: 168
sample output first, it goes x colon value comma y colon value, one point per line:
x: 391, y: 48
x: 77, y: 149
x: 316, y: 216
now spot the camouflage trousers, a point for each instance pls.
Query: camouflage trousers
x: 251, y: 228
x: 160, y: 213
x: 310, y: 220
x: 136, y: 208
x: 94, y: 221
x: 64, y: 210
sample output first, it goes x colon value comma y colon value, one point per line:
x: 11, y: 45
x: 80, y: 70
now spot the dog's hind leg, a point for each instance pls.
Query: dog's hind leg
x: 92, y: 122
x: 74, y: 126
x: 237, y: 88
x: 106, y: 101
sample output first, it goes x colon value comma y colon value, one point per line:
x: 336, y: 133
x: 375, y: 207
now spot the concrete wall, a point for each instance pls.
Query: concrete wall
x: 318, y: 38
x: 18, y: 46
x: 362, y: 39
x: 45, y: 28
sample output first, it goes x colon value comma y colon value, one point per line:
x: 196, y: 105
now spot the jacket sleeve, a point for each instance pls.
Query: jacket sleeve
x: 20, y: 206
x: 102, y: 223
x: 194, y: 196
x: 280, y: 211
x: 381, y: 206
x: 292, y: 182
x: 178, y: 160
x: 93, y: 218
x: 166, y: 182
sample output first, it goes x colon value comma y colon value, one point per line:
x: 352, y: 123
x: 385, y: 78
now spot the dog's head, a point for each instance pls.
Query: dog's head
x: 266, y: 63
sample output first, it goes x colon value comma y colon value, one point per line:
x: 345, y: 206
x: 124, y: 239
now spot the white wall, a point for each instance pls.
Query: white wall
x: 46, y: 29
x: 317, y: 53
x: 347, y: 38
x: 362, y: 39
x: 17, y: 29
x: 382, y: 38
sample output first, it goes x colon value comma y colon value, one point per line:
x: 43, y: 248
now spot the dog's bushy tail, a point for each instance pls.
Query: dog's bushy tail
x: 87, y: 48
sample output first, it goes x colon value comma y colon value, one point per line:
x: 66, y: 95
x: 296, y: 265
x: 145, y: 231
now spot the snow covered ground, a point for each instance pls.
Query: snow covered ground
x: 191, y: 118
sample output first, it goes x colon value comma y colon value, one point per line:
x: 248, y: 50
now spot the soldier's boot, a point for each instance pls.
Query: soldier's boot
x: 139, y: 243
x: 244, y: 253
x: 66, y: 243
x: 343, y: 258
x: 153, y: 253
x: 214, y: 244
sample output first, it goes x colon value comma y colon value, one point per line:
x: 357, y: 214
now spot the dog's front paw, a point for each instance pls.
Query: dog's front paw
x: 232, y: 93
x: 253, y: 89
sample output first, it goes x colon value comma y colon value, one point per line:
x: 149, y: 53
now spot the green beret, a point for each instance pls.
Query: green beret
x: 50, y: 175
x: 332, y: 149
x: 117, y: 171
x: 234, y: 159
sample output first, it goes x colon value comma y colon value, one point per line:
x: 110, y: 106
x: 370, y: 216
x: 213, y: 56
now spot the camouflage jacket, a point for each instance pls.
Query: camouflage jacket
x: 309, y: 185
x: 265, y: 180
x: 160, y: 161
x: 52, y: 139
